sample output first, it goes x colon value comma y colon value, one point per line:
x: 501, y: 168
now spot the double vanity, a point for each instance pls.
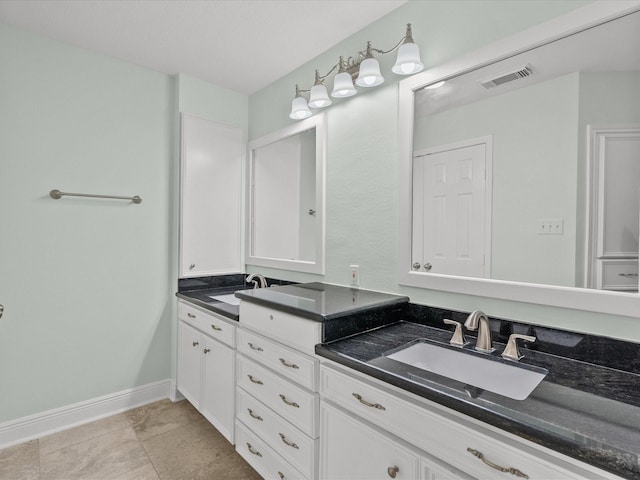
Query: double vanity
x: 319, y: 381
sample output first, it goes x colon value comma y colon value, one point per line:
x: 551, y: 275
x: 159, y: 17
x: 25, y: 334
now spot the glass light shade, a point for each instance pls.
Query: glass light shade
x: 343, y: 86
x: 408, y: 60
x: 318, y: 97
x: 369, y: 75
x: 299, y: 109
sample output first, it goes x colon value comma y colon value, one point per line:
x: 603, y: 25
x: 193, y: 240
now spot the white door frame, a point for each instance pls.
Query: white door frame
x: 595, y: 134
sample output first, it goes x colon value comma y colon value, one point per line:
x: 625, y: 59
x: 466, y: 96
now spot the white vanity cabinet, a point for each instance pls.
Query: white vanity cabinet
x: 210, y: 197
x: 354, y: 450
x: 277, y: 401
x: 430, y: 430
x: 206, y: 365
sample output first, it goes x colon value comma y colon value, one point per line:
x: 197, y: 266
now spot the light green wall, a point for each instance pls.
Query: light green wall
x: 218, y: 104
x: 362, y: 158
x: 534, y: 132
x: 88, y: 285
x: 85, y: 283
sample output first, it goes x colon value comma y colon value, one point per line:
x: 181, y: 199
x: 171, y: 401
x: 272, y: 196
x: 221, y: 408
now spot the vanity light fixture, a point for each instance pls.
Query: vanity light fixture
x: 364, y: 68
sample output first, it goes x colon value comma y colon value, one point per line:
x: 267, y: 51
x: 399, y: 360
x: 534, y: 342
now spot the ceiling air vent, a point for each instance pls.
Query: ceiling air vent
x: 507, y: 77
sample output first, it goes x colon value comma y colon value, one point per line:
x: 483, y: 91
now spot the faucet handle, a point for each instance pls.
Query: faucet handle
x: 458, y: 336
x: 511, y: 351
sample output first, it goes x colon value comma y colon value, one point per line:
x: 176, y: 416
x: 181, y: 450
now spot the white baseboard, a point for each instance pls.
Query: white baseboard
x: 44, y: 423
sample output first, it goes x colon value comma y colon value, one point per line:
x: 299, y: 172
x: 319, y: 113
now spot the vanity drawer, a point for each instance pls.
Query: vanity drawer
x: 285, y: 439
x: 297, y: 332
x: 620, y: 275
x: 293, y: 403
x: 444, y: 438
x: 294, y: 365
x: 208, y: 322
x: 262, y: 457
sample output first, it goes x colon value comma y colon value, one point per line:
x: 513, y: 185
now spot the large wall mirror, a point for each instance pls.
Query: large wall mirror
x: 523, y: 167
x: 286, y: 198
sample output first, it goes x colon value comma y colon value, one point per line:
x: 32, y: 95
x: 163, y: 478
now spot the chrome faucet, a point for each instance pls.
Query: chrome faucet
x: 477, y: 320
x: 255, y: 278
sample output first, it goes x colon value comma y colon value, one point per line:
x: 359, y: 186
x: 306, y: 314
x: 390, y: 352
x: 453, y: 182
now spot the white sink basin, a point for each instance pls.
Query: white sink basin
x: 491, y: 374
x: 229, y: 298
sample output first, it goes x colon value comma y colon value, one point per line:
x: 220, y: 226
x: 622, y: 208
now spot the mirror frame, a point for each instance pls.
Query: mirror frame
x: 316, y: 122
x: 601, y: 301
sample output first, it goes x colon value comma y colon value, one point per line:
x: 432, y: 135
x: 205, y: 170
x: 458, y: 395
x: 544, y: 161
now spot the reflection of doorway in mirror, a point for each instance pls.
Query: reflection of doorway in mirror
x: 452, y: 209
x: 612, y: 262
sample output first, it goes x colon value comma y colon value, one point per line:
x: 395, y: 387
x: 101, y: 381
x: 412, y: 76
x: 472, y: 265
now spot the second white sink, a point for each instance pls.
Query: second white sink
x: 491, y: 374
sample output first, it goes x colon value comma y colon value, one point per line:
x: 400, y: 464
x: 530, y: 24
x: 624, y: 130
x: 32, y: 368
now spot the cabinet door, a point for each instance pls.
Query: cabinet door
x: 211, y: 165
x: 432, y: 470
x: 190, y: 344
x: 219, y: 387
x: 350, y: 450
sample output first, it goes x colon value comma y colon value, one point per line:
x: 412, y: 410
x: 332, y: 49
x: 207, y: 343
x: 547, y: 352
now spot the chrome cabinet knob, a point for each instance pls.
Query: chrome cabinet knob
x: 427, y: 266
x: 192, y: 266
x: 416, y: 266
x: 1, y: 310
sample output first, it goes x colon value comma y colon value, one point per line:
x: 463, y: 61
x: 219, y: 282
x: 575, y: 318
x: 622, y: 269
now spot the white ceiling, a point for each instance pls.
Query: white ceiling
x: 243, y: 45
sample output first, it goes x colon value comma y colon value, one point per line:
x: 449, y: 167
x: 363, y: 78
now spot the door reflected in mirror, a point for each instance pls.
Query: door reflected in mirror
x: 286, y: 204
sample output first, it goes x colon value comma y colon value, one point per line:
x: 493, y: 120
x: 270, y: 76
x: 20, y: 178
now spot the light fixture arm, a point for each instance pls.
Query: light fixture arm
x: 321, y: 78
x: 408, y: 38
x: 300, y: 91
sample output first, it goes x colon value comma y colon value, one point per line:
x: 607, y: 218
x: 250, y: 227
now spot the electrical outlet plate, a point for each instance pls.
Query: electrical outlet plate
x: 354, y: 275
x: 550, y: 226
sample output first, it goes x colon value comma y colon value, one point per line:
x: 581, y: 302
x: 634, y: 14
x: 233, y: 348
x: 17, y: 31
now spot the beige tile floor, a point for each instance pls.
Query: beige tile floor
x: 160, y: 441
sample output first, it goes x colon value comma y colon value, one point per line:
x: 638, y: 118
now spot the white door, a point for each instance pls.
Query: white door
x: 189, y: 363
x: 451, y: 199
x: 615, y: 170
x: 350, y: 450
x: 219, y: 385
x: 211, y: 163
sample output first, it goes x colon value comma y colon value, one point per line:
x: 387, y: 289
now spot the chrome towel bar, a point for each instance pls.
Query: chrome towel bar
x: 56, y: 194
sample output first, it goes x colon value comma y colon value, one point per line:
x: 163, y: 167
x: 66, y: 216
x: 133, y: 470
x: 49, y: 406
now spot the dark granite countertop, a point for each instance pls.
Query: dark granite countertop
x: 321, y: 302
x: 584, y: 410
x: 202, y: 290
x: 203, y: 298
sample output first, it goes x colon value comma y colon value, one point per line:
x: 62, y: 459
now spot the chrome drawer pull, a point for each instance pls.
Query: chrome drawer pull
x: 191, y: 315
x: 217, y: 329
x: 290, y: 365
x: 368, y: 404
x: 259, y: 382
x: 393, y: 471
x: 195, y: 344
x: 253, y: 415
x: 255, y: 452
x: 291, y: 404
x: 253, y: 347
x: 290, y: 444
x: 511, y: 470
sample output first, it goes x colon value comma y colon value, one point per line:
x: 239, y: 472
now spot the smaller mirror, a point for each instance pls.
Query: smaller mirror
x: 286, y: 198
